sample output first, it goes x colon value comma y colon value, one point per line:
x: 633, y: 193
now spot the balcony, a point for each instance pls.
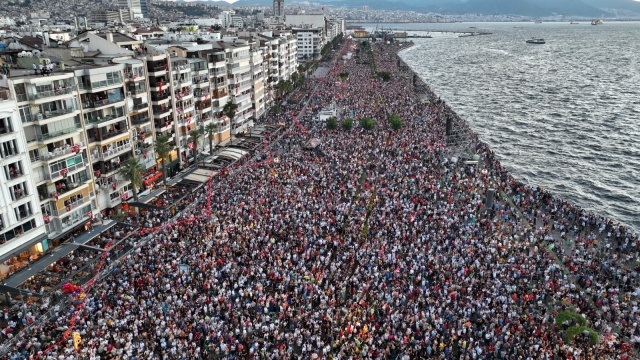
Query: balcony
x: 105, y: 83
x: 48, y: 136
x: 156, y: 97
x: 160, y: 111
x: 51, y: 93
x: 61, y: 152
x: 100, y: 155
x: 108, y: 135
x: 240, y: 98
x: 138, y: 107
x: 137, y: 120
x: 99, y: 103
x: 17, y: 194
x: 70, y: 207
x: 137, y: 90
x: 47, y: 115
x: 160, y: 68
x: 103, y: 119
x: 69, y: 169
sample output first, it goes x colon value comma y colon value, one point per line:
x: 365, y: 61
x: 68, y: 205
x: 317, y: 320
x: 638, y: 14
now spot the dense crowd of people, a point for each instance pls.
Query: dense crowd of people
x: 373, y: 245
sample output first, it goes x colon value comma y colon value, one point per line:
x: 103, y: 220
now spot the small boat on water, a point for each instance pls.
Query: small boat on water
x: 537, y: 41
x: 574, y: 23
x: 538, y: 21
x: 596, y: 22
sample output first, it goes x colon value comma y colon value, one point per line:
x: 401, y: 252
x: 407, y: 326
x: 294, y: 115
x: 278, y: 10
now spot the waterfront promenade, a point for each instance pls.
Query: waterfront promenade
x: 373, y: 245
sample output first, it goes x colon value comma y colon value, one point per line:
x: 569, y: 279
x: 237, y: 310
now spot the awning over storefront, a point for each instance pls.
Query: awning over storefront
x: 200, y: 175
x: 9, y: 252
x: 144, y: 206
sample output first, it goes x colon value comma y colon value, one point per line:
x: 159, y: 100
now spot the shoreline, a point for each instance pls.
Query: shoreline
x: 476, y: 136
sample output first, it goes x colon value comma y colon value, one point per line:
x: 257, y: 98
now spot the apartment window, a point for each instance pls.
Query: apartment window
x: 14, y: 170
x: 9, y: 148
x: 6, y: 126
x: 23, y: 211
x: 18, y: 191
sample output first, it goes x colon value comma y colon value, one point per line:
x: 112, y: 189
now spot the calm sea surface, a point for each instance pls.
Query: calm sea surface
x: 564, y: 115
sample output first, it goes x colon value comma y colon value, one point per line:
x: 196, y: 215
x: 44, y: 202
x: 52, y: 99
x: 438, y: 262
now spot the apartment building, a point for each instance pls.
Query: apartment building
x: 52, y: 121
x: 22, y: 230
x: 139, y: 110
x: 238, y: 62
x: 162, y: 103
x: 107, y: 127
x: 310, y: 43
x: 210, y: 109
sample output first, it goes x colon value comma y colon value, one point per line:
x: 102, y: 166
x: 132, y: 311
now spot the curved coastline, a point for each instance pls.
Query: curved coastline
x: 561, y: 223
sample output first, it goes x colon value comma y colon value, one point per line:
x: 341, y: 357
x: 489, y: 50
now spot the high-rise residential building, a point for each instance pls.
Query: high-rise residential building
x: 217, y: 82
x: 278, y: 9
x: 52, y: 120
x: 22, y: 229
x: 133, y: 6
x: 108, y: 130
x: 238, y: 62
x: 310, y: 43
x: 162, y: 103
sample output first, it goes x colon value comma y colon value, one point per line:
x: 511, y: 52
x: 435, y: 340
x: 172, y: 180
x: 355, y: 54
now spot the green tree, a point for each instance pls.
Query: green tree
x: 229, y: 110
x: 347, y: 124
x: 210, y: 130
x: 283, y: 87
x: 275, y: 109
x: 332, y: 123
x: 343, y: 75
x: 132, y: 170
x: 194, y: 137
x: 367, y: 123
x: 163, y: 148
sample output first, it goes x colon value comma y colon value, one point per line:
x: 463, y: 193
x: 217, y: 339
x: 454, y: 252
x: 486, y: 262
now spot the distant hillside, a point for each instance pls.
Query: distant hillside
x: 532, y: 8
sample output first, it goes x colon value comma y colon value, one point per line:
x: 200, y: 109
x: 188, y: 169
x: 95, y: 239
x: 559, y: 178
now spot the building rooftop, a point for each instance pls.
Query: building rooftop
x: 119, y: 38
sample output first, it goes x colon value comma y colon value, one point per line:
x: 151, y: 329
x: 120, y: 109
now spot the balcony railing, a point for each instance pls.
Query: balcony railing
x: 70, y: 207
x: 52, y: 93
x: 43, y: 137
x: 137, y: 90
x: 108, y: 154
x: 158, y: 68
x: 140, y: 120
x: 69, y: 169
x: 105, y: 83
x: 108, y: 135
x: 159, y: 97
x: 47, y: 114
x: 140, y: 106
x: 59, y: 153
x: 99, y: 120
x: 103, y: 102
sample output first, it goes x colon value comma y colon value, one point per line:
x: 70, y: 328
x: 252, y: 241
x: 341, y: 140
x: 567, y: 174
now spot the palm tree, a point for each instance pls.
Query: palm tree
x: 132, y: 170
x: 210, y: 130
x: 230, y: 109
x: 194, y: 137
x: 163, y: 151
